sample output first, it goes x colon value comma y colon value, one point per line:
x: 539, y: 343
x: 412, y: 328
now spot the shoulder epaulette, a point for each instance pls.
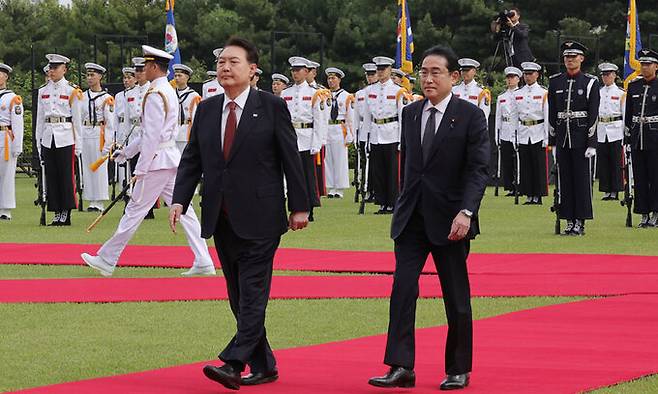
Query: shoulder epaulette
x: 398, y: 84
x: 208, y: 80
x: 517, y: 89
x: 42, y: 86
x: 74, y: 85
x: 555, y: 75
x: 591, y: 76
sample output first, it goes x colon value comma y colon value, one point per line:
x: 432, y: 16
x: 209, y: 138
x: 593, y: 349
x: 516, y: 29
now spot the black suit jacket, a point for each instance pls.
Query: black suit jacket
x: 250, y: 182
x: 454, y: 176
x: 519, y: 37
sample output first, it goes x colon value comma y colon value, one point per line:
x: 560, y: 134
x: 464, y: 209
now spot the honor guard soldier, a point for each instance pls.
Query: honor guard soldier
x: 529, y: 117
x: 339, y: 135
x: 469, y: 89
x: 155, y: 172
x: 326, y: 95
x: 384, y: 109
x: 361, y: 125
x: 98, y: 129
x: 573, y: 102
x: 279, y: 83
x: 121, y: 119
x: 313, y: 74
x: 306, y: 106
x: 211, y: 87
x: 610, y: 133
x: 255, y: 78
x: 397, y: 75
x: 641, y: 119
x: 57, y: 134
x: 505, y: 131
x: 11, y: 142
x: 188, y: 100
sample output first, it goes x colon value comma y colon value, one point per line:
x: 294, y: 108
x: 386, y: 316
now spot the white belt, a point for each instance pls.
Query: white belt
x: 167, y: 144
x: 571, y: 114
x: 645, y: 119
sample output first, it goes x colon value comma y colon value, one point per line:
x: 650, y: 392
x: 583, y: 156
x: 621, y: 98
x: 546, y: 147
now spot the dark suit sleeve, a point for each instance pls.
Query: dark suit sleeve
x: 477, y: 161
x: 403, y: 145
x: 593, y: 113
x: 286, y: 139
x: 189, y: 168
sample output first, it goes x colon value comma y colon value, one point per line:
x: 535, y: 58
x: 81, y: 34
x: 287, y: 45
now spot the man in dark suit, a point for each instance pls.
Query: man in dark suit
x: 444, y: 155
x: 518, y: 35
x: 243, y: 144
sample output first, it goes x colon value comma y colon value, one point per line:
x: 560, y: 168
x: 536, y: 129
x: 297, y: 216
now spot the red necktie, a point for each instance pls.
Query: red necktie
x: 229, y: 132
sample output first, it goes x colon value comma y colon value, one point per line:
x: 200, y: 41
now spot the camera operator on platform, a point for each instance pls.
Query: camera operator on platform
x: 507, y: 26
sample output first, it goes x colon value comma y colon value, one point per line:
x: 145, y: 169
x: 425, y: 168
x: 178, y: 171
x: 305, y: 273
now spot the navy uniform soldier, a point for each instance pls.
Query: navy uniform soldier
x: 134, y: 99
x: 384, y: 105
x: 57, y: 133
x: 155, y: 172
x: 610, y: 133
x: 188, y: 100
x: 279, y: 83
x: 361, y: 123
x: 11, y: 142
x: 255, y: 78
x: 469, y: 89
x: 573, y: 102
x: 339, y: 134
x: 505, y: 131
x: 211, y: 87
x: 97, y: 134
x: 121, y: 120
x: 306, y: 106
x: 641, y: 132
x: 529, y: 117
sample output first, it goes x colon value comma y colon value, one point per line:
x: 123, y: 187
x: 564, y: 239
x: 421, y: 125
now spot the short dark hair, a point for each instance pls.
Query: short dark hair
x: 252, y: 51
x: 445, y: 52
x: 162, y: 66
x: 517, y: 10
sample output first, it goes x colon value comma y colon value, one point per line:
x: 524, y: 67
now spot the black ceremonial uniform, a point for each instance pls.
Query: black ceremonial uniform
x: 573, y: 102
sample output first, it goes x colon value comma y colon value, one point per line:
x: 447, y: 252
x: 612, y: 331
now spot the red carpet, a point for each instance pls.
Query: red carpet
x: 340, y: 261
x: 565, y: 348
x: 379, y: 286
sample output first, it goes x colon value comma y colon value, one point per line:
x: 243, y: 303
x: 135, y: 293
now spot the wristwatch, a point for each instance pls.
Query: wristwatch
x: 466, y: 212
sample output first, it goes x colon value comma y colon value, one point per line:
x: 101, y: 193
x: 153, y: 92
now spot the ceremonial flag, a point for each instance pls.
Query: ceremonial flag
x: 405, y: 44
x: 633, y: 45
x: 171, y: 39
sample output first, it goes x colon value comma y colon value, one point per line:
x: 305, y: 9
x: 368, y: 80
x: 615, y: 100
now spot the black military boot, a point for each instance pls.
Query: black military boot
x: 644, y: 222
x: 653, y: 222
x: 578, y: 227
x: 55, y: 221
x: 569, y: 229
x: 65, y: 218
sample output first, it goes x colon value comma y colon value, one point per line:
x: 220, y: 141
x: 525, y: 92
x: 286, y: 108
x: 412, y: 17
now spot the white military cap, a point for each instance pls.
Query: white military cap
x: 607, y: 67
x: 298, y: 61
x: 647, y: 56
x: 312, y: 64
x: 280, y: 77
x: 217, y: 52
x: 369, y: 67
x: 259, y: 72
x: 466, y: 62
x: 182, y: 68
x: 128, y: 70
x: 138, y: 61
x: 54, y: 58
x: 46, y: 68
x: 530, y: 66
x: 334, y: 71
x: 211, y: 73
x: 155, y: 54
x: 382, y: 61
x: 5, y: 68
x: 513, y: 71
x: 95, y: 67
x: 398, y: 72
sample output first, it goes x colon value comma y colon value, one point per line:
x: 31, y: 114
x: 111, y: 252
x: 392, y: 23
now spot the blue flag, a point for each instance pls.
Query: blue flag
x: 633, y: 45
x: 171, y: 39
x: 405, y: 42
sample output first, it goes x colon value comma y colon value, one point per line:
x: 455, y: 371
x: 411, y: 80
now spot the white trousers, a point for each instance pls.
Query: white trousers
x: 336, y: 166
x: 7, y: 181
x: 159, y: 183
x: 95, y: 183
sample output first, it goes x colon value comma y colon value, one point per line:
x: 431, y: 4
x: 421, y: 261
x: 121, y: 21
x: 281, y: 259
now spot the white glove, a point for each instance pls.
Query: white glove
x: 119, y: 157
x: 78, y: 151
x: 590, y: 152
x: 544, y: 143
x: 15, y: 154
x: 315, y: 151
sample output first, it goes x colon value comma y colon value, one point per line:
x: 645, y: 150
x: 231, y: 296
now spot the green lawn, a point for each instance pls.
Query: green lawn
x: 76, y: 341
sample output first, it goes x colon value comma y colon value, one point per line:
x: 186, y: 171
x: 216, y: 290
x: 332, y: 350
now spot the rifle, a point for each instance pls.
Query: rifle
x: 357, y: 169
x: 79, y: 182
x: 557, y: 197
x: 42, y: 196
x: 627, y: 201
x: 364, y: 184
x: 498, y: 159
x: 118, y: 198
x: 517, y: 174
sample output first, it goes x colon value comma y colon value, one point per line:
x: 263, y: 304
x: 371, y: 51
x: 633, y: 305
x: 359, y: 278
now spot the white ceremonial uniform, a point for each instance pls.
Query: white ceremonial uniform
x: 504, y: 108
x: 476, y: 94
x: 530, y: 114
x: 188, y: 100
x: 121, y: 127
x: 156, y: 172
x: 11, y: 146
x: 134, y: 99
x: 384, y: 104
x: 211, y: 88
x: 58, y: 100
x: 340, y: 134
x: 360, y: 120
x: 97, y: 134
x: 612, y: 106
x: 306, y: 108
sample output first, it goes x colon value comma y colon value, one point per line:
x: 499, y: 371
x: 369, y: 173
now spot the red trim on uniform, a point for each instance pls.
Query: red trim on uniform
x: 503, y: 100
x: 538, y: 97
x: 614, y: 98
x: 372, y: 95
x: 63, y: 97
x: 456, y: 94
x: 390, y: 97
x: 288, y: 98
x: 473, y: 97
x: 45, y: 96
x: 131, y: 99
x: 75, y: 195
x: 361, y: 99
x: 519, y: 97
x: 211, y: 90
x: 307, y: 98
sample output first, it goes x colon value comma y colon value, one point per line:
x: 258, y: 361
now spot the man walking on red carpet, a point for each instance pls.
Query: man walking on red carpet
x: 243, y: 143
x: 444, y: 156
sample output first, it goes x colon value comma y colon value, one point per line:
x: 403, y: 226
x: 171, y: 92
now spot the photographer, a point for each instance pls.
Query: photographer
x: 508, y: 27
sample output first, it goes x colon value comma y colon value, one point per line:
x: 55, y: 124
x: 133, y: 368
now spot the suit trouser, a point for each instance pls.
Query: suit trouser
x: 507, y: 164
x: 158, y: 183
x: 609, y: 166
x: 411, y: 250
x: 384, y: 161
x: 308, y: 165
x: 575, y: 175
x: 336, y: 166
x: 645, y: 171
x: 247, y: 266
x: 7, y: 181
x: 60, y: 177
x: 533, y: 170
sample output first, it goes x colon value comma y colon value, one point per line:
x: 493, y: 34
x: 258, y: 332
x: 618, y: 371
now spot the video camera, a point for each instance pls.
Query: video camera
x: 499, y: 24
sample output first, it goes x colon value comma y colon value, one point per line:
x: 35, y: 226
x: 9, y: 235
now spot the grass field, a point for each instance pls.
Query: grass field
x: 49, y: 343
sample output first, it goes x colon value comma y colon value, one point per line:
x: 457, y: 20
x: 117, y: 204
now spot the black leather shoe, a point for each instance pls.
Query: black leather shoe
x: 396, y: 377
x: 455, y: 382
x: 4, y: 217
x: 253, y: 379
x: 150, y: 214
x: 509, y: 194
x: 224, y: 375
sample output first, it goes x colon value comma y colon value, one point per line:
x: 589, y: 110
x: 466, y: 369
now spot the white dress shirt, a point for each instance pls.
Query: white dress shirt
x: 438, y: 115
x: 240, y: 102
